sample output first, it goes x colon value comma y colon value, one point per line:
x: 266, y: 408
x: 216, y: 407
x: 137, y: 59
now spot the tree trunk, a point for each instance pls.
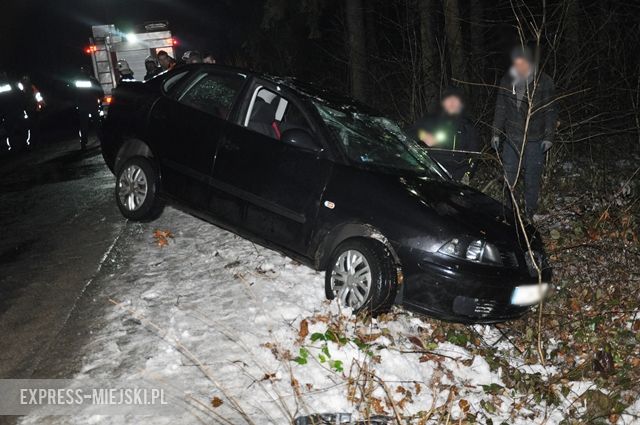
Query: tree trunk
x: 428, y: 54
x: 476, y: 12
x: 453, y: 34
x: 571, y: 42
x: 356, y: 41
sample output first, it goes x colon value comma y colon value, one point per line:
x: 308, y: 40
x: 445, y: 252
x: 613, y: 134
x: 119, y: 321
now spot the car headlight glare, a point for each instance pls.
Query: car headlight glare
x: 476, y: 251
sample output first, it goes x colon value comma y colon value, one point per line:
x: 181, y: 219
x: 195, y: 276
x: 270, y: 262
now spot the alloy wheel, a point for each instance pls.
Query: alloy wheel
x: 132, y: 187
x: 351, y: 279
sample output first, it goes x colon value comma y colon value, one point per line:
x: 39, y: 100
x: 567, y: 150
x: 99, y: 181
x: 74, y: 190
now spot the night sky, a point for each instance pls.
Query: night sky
x: 48, y: 36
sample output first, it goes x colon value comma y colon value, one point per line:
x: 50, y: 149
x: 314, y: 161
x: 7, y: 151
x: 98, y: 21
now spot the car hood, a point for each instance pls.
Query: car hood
x: 471, y: 212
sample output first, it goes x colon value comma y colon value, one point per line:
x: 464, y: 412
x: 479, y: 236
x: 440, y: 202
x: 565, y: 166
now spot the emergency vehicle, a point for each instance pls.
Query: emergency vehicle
x: 109, y: 45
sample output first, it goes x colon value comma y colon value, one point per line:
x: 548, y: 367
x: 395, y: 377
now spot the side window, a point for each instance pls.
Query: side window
x: 271, y: 114
x: 213, y: 94
x: 171, y: 82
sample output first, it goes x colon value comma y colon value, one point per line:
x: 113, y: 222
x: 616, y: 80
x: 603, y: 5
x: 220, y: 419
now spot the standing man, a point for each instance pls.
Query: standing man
x: 450, y: 135
x: 151, y: 65
x: 526, y: 116
x: 166, y: 62
x: 88, y: 94
x: 192, y: 56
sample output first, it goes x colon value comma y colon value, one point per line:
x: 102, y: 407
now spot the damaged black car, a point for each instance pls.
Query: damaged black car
x: 326, y: 181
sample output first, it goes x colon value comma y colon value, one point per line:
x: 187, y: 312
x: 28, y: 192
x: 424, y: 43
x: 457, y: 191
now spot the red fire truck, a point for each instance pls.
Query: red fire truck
x: 110, y: 45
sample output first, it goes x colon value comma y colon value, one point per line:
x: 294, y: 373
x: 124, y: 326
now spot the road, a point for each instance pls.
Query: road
x: 58, y: 222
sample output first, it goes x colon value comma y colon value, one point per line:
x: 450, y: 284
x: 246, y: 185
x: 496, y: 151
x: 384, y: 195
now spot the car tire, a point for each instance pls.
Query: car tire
x: 382, y: 275
x: 136, y: 191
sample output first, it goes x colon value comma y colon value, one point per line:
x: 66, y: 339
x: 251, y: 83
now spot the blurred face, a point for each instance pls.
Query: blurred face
x: 209, y: 59
x: 522, y: 67
x: 452, y: 105
x: 164, y: 61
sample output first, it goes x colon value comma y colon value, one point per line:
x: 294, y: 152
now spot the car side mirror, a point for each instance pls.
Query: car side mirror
x: 301, y: 139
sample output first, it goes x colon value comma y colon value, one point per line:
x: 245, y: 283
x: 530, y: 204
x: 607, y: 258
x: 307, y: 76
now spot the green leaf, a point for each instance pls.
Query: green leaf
x: 493, y: 389
x: 317, y: 336
x: 337, y: 366
x: 325, y: 350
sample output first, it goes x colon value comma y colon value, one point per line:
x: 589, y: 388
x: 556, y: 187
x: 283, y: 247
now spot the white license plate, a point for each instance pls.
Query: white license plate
x: 529, y: 294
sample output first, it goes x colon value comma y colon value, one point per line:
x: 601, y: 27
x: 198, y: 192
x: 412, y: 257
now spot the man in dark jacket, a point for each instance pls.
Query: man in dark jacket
x: 450, y: 135
x: 88, y: 94
x: 152, y: 67
x: 525, y: 104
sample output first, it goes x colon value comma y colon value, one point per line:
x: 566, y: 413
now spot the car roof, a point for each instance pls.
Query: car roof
x: 311, y: 91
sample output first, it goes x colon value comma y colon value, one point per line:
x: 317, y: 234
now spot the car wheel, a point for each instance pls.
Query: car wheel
x: 362, y: 275
x: 137, y: 190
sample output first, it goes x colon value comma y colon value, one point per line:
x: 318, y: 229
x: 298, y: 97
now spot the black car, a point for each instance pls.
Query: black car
x: 325, y: 180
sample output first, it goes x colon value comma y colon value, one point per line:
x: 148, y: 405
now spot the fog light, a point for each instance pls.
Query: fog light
x: 529, y: 294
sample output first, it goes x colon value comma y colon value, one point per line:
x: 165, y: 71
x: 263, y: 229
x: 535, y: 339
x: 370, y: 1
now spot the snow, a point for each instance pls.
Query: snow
x: 214, y: 315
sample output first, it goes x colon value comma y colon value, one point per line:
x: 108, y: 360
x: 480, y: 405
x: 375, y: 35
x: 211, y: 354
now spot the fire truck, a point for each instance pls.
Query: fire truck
x: 108, y: 45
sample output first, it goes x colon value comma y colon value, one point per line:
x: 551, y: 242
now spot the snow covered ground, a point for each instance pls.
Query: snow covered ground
x: 245, y: 335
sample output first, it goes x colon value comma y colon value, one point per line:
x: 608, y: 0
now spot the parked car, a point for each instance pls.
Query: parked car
x: 325, y: 180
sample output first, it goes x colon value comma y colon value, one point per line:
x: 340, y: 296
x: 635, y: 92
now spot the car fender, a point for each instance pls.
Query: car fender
x: 131, y: 148
x: 346, y: 231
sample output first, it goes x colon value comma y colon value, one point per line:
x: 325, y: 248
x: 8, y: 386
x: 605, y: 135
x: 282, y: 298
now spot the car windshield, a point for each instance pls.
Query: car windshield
x: 377, y: 142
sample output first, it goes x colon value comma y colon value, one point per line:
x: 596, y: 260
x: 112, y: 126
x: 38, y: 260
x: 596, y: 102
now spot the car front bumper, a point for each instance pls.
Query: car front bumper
x: 469, y: 293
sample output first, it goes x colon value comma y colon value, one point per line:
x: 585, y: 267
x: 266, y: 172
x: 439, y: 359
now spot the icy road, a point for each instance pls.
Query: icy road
x: 240, y: 333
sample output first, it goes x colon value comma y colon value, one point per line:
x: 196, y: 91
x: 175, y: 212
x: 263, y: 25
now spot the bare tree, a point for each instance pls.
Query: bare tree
x: 428, y: 52
x: 356, y: 40
x: 453, y: 34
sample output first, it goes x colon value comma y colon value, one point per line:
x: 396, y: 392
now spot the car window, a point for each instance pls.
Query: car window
x: 172, y: 81
x: 213, y: 93
x: 271, y: 114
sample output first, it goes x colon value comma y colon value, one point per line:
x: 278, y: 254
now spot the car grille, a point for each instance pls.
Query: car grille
x: 473, y: 307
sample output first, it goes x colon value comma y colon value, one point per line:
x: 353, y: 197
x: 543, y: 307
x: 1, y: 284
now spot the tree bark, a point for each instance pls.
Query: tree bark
x: 356, y: 40
x: 428, y: 55
x: 476, y: 12
x: 453, y: 34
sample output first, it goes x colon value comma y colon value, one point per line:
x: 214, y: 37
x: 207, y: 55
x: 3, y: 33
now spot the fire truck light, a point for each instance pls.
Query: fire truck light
x: 5, y: 88
x: 131, y: 37
x: 20, y: 86
x: 83, y: 84
x: 39, y: 97
x: 174, y: 41
x: 90, y: 49
x: 107, y: 100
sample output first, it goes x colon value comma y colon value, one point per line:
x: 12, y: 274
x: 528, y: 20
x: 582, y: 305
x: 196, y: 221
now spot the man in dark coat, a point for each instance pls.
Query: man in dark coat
x: 450, y: 135
x: 88, y: 94
x: 525, y: 102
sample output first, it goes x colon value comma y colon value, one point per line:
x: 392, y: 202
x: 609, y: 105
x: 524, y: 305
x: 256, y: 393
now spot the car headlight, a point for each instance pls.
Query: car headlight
x: 476, y: 251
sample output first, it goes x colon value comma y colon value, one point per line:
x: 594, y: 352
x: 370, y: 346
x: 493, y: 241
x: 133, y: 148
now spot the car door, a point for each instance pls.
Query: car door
x: 280, y: 184
x: 190, y: 122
